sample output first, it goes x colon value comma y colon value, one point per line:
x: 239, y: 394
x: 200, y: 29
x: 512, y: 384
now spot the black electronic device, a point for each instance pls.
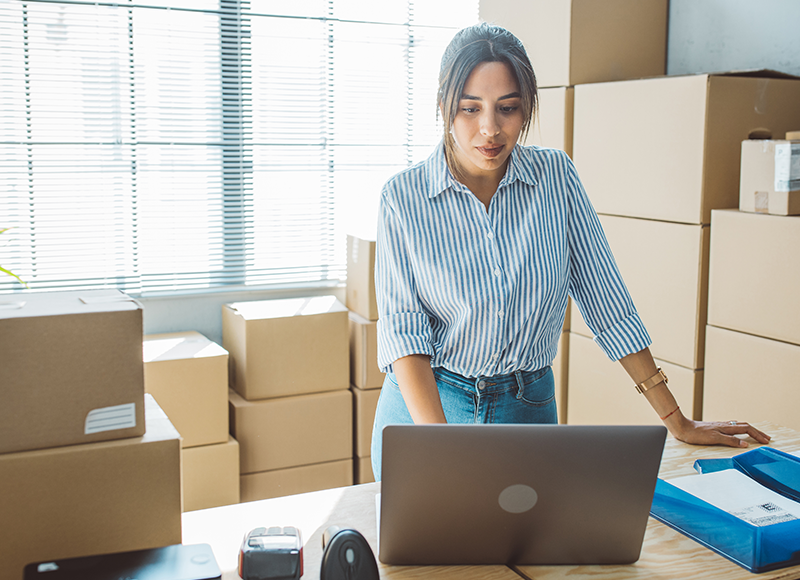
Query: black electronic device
x: 347, y: 556
x: 177, y: 562
x: 271, y: 554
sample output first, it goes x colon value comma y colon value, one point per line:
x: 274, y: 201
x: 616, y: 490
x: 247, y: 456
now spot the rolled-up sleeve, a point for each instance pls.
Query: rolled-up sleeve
x: 595, y: 282
x: 404, y: 327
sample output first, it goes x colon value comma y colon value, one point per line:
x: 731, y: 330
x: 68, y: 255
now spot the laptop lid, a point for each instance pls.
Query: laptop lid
x: 516, y: 494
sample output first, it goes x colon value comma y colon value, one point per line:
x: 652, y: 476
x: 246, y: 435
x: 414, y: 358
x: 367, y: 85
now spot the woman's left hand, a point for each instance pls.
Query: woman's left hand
x: 718, y: 433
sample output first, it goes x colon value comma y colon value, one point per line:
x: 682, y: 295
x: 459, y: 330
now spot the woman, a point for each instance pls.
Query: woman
x: 479, y: 247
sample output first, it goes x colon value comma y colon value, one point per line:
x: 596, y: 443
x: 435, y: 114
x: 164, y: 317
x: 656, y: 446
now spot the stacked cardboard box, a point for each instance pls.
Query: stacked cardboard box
x: 366, y: 378
x: 655, y: 190
x: 83, y: 451
x: 290, y: 406
x: 188, y: 375
x: 753, y: 339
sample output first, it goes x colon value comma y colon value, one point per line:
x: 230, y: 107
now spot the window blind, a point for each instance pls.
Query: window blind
x: 193, y: 145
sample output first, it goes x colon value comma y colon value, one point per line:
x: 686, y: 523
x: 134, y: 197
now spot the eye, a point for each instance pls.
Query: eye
x: 469, y: 109
x: 508, y: 109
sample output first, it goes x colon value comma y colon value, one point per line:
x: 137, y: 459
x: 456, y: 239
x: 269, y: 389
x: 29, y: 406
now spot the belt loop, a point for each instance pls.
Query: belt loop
x: 520, y: 384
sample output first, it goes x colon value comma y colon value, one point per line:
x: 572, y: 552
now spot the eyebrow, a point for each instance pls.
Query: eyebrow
x: 474, y: 98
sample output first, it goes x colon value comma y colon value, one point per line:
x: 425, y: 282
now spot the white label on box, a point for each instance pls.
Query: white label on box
x: 787, y: 166
x: 740, y: 496
x: 110, y: 418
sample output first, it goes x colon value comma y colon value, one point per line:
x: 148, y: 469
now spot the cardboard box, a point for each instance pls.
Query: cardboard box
x: 669, y: 148
x: 360, y: 296
x: 751, y: 378
x: 561, y: 376
x: 292, y: 431
x: 364, y: 371
x: 754, y: 274
x: 770, y: 177
x: 94, y: 498
x: 362, y: 470
x: 364, y: 405
x: 602, y: 393
x: 211, y: 475
x: 584, y: 41
x: 71, y: 369
x: 282, y: 482
x: 665, y: 267
x: 553, y: 123
x: 188, y: 376
x: 287, y: 347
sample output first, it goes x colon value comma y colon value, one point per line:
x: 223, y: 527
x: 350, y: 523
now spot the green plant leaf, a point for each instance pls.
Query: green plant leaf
x: 14, y: 276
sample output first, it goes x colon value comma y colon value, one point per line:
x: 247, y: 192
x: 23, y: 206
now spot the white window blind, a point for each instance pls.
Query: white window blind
x: 195, y: 145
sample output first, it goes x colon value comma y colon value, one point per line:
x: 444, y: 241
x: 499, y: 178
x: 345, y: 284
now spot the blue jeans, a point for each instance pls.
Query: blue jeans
x: 520, y: 397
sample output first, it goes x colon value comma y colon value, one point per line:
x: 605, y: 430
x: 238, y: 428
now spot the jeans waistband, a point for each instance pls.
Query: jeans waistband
x: 489, y: 384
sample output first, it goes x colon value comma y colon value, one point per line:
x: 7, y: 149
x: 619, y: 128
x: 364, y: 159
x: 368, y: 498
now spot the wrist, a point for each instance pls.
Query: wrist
x: 678, y: 425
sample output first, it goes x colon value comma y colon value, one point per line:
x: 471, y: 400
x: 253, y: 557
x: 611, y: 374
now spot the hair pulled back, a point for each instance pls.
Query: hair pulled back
x: 470, y: 47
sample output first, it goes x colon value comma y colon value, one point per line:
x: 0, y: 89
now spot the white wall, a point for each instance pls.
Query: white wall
x: 726, y: 35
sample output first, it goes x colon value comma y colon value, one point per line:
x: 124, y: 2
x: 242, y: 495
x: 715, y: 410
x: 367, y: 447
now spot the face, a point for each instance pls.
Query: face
x: 488, y: 122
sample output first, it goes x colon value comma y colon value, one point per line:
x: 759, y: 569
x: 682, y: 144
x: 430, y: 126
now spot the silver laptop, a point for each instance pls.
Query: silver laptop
x: 516, y: 494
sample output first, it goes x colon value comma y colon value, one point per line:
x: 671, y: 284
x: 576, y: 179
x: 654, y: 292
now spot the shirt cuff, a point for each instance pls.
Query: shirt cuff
x: 401, y: 335
x: 626, y: 337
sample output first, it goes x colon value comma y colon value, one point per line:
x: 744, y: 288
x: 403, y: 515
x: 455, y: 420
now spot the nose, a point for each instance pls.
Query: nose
x: 489, y: 126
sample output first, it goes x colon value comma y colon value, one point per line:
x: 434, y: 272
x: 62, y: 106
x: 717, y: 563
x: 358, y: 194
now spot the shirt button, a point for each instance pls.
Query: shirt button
x: 497, y: 272
x: 500, y: 313
x: 494, y: 357
x: 490, y: 235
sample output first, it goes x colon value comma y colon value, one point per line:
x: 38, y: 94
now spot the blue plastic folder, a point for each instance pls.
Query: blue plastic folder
x: 757, y: 549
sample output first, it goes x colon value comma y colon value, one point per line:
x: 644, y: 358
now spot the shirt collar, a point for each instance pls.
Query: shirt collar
x: 520, y: 167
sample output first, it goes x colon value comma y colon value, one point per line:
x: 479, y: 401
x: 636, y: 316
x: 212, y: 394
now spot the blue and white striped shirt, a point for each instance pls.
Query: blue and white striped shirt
x: 484, y: 293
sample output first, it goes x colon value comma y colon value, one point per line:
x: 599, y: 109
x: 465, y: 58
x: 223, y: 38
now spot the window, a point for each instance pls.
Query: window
x: 196, y: 145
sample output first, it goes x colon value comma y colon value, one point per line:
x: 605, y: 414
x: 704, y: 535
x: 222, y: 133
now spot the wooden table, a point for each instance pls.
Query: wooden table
x: 666, y: 554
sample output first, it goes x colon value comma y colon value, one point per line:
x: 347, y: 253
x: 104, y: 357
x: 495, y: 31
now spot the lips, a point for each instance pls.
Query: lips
x: 490, y: 150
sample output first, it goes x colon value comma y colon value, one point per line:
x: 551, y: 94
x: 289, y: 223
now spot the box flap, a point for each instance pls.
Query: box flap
x: 289, y: 307
x: 66, y: 303
x: 179, y: 346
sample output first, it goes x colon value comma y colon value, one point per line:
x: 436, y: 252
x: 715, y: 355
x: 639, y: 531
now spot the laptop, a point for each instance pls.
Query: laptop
x: 516, y: 494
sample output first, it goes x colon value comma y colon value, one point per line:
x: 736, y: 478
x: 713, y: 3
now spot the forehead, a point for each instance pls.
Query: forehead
x: 490, y: 80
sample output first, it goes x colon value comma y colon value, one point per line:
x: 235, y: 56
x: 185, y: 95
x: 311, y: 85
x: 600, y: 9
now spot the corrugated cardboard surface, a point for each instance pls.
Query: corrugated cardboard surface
x: 95, y: 498
x: 361, y: 277
x: 751, y: 378
x: 188, y: 376
x: 754, y: 274
x: 669, y: 148
x: 585, y: 41
x: 211, y: 475
x: 364, y: 371
x: 553, y: 122
x: 665, y: 268
x: 287, y: 347
x: 364, y: 405
x: 281, y: 482
x: 757, y: 191
x: 292, y: 431
x: 362, y: 467
x: 602, y: 393
x: 65, y: 354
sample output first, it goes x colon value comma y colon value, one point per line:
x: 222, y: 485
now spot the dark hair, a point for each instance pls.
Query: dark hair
x: 470, y: 47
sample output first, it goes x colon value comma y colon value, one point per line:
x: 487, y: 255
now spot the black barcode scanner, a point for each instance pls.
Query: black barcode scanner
x: 347, y: 556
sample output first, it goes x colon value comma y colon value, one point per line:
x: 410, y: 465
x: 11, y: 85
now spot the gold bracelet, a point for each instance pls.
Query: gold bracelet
x: 652, y: 381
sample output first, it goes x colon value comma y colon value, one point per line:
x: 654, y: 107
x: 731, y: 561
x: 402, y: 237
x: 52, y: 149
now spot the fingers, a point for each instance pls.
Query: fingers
x: 741, y: 428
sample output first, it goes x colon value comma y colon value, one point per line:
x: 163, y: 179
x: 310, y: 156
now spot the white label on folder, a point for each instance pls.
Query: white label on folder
x: 787, y: 166
x: 735, y: 493
x: 110, y: 418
